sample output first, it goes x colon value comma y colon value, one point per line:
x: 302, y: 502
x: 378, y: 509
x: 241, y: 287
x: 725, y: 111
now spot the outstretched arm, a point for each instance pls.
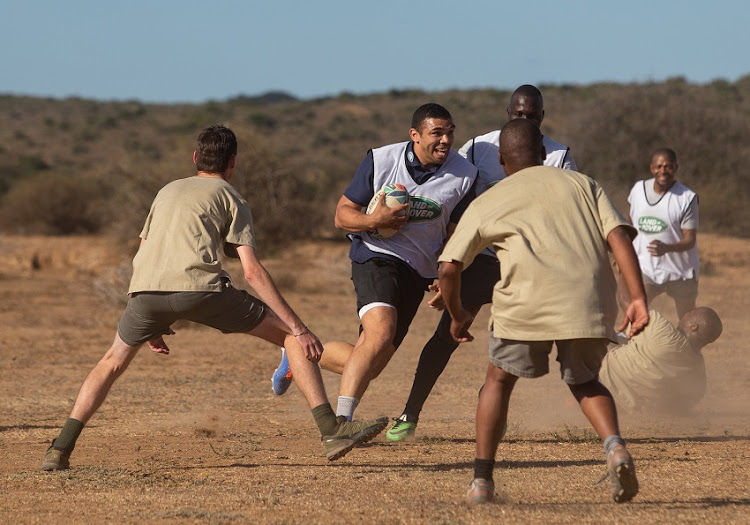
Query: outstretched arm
x: 636, y: 311
x: 260, y: 280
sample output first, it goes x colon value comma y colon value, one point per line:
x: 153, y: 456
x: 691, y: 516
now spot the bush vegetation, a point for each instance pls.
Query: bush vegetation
x: 75, y: 165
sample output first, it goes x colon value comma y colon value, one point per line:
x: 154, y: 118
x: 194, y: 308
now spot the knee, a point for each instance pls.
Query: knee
x: 500, y: 377
x: 114, y: 363
x: 592, y: 388
x: 381, y: 361
x: 374, y: 373
x: 381, y: 342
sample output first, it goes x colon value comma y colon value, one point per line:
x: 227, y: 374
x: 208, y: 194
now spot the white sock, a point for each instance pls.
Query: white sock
x: 346, y: 406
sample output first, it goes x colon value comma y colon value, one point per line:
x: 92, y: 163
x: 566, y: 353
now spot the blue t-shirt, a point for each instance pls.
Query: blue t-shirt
x: 361, y: 191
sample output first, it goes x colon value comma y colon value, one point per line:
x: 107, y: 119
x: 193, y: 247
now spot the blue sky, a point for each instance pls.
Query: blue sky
x: 191, y: 51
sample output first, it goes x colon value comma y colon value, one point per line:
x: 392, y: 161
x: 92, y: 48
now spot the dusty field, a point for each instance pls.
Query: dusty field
x: 198, y: 436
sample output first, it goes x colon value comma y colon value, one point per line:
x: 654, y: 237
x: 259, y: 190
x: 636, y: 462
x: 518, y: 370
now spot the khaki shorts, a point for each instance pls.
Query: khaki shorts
x: 579, y: 359
x: 681, y: 289
x: 150, y: 314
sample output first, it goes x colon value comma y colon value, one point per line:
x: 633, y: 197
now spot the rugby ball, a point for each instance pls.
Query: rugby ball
x: 395, y: 195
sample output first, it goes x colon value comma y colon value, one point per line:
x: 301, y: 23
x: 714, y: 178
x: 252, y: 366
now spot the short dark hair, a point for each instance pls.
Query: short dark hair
x: 521, y: 139
x: 429, y: 110
x: 216, y: 146
x: 667, y: 152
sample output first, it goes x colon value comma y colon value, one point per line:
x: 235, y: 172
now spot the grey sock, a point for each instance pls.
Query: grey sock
x: 611, y: 442
x: 346, y: 406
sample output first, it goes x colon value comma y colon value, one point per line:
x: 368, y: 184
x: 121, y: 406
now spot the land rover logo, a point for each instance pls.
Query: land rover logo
x: 651, y: 225
x: 423, y: 209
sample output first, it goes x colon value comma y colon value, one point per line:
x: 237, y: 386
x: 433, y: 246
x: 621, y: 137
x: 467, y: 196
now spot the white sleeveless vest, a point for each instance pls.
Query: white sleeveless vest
x: 661, y: 221
x: 482, y: 152
x: 419, y: 242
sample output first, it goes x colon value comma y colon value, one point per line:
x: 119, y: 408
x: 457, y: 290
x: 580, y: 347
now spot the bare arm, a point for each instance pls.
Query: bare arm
x: 260, y: 280
x: 658, y: 248
x: 636, y: 311
x: 351, y: 218
x: 449, y: 276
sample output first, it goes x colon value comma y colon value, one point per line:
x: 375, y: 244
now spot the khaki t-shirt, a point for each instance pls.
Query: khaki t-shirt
x: 656, y: 370
x: 189, y: 223
x: 548, y: 227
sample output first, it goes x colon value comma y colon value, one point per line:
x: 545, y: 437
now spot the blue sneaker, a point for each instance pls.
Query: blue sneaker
x: 282, y: 376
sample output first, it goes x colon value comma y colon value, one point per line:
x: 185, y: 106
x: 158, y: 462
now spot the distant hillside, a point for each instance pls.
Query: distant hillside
x: 77, y: 165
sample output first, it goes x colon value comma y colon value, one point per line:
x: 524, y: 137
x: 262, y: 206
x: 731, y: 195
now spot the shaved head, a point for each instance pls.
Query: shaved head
x: 527, y: 90
x: 521, y: 145
x: 667, y: 152
x: 526, y: 102
x: 702, y: 326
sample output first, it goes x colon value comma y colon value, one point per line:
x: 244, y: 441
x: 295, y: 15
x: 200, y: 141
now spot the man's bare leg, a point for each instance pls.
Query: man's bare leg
x: 492, y: 413
x: 372, y: 353
x: 91, y: 395
x: 335, y: 355
x: 97, y: 384
x: 306, y: 373
x: 492, y: 410
x: 598, y: 407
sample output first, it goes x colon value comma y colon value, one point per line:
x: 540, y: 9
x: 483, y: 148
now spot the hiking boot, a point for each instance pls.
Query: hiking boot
x: 55, y: 459
x: 401, y: 429
x: 350, y: 434
x: 282, y: 376
x: 622, y: 475
x: 480, y: 491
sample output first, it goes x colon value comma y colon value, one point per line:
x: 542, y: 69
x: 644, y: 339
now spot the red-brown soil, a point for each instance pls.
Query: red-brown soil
x: 198, y: 436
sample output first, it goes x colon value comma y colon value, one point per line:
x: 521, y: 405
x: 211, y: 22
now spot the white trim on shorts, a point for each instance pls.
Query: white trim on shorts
x: 366, y: 308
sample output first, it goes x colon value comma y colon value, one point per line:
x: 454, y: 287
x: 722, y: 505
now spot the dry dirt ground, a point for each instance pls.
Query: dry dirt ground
x: 198, y: 436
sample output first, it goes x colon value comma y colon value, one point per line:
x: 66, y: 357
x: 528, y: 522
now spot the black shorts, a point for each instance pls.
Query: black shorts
x: 391, y: 282
x: 478, y: 280
x: 477, y: 284
x: 149, y: 314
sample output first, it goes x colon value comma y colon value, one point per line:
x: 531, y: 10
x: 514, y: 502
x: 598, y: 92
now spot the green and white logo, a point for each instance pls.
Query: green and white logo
x: 651, y: 225
x: 422, y: 209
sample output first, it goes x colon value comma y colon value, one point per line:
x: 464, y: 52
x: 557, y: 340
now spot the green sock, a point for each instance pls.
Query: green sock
x: 325, y: 419
x: 68, y: 435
